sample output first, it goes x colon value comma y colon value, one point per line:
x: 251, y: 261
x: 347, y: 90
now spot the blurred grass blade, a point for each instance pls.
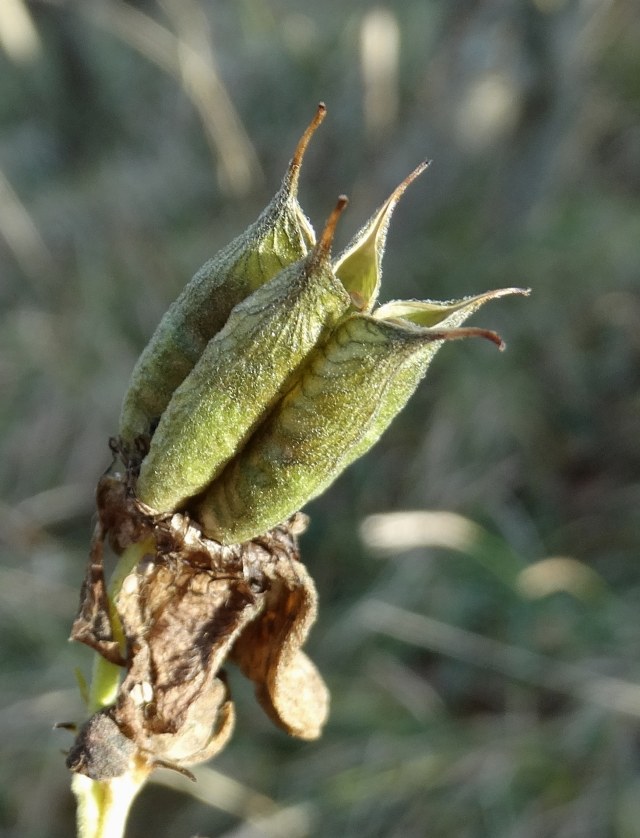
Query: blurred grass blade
x: 259, y: 812
x: 193, y: 65
x: 395, y: 532
x: 21, y: 234
x: 612, y: 694
x: 18, y: 35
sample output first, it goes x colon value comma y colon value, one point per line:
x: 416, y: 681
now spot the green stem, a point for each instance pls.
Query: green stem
x: 103, y: 806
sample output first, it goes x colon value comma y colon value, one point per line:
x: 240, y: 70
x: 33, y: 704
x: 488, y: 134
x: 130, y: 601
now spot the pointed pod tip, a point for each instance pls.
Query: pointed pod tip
x: 466, y: 332
x: 523, y: 292
x: 400, y: 189
x: 494, y: 337
x: 303, y: 142
x: 501, y: 292
x: 488, y: 334
x: 326, y: 239
x: 419, y: 169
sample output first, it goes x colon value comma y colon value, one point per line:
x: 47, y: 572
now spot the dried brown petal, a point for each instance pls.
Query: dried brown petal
x: 180, y: 622
x: 288, y: 685
x: 92, y: 624
x: 204, y: 730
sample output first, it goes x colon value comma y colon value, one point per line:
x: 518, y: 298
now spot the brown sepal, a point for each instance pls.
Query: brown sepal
x: 92, y: 624
x: 269, y: 651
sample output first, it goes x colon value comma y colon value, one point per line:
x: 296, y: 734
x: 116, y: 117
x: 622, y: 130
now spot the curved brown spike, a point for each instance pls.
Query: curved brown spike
x: 467, y: 332
x: 326, y: 239
x: 296, y: 160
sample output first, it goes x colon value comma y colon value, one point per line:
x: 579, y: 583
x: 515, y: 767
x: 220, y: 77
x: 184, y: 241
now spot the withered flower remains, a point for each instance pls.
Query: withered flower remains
x: 185, y: 608
x: 270, y: 374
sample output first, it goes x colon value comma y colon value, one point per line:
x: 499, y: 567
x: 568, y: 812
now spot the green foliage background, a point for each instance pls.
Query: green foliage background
x: 478, y: 690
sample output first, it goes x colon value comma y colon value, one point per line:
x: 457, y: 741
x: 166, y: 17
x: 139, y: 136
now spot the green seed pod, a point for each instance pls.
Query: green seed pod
x: 346, y: 395
x: 243, y: 371
x: 359, y: 266
x: 280, y: 236
x: 430, y: 313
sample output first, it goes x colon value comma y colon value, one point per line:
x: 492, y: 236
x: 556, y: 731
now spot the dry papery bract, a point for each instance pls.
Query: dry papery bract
x: 189, y: 606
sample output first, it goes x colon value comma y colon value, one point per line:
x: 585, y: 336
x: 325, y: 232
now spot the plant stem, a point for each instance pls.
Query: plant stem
x: 103, y: 806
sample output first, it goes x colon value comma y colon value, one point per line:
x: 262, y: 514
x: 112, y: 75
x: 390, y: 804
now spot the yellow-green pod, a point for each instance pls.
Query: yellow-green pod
x: 345, y: 397
x: 280, y: 236
x: 243, y: 371
x: 359, y: 266
x: 430, y: 313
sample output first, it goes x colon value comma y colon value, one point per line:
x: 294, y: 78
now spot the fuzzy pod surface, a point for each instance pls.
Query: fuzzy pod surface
x: 279, y: 237
x: 243, y: 371
x: 345, y: 397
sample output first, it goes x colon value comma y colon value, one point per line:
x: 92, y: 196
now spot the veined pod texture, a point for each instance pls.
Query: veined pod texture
x: 243, y: 371
x: 239, y: 376
x: 279, y: 237
x: 345, y: 397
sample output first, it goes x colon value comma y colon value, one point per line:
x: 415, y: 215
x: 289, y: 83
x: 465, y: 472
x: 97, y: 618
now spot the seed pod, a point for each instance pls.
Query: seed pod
x: 280, y: 236
x: 241, y: 374
x: 345, y: 397
x: 359, y: 266
x: 429, y: 313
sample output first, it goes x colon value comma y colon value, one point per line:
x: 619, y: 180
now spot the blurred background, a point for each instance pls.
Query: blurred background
x: 478, y: 570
